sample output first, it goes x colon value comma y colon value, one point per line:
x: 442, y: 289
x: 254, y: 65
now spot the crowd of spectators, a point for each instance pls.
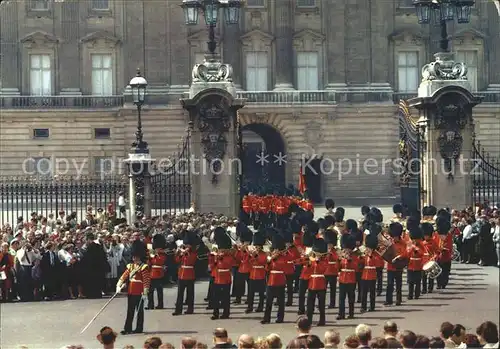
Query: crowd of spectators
x: 449, y: 336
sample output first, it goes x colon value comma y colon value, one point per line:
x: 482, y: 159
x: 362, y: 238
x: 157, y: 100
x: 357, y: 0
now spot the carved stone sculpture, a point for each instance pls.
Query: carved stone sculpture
x: 212, y: 70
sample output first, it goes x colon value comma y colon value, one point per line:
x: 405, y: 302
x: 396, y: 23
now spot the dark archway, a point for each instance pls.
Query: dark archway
x: 267, y: 175
x: 313, y: 179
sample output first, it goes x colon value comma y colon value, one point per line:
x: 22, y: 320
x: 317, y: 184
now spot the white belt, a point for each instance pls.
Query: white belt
x: 158, y: 266
x: 317, y: 276
x: 415, y: 259
x: 426, y: 254
x: 332, y: 262
x: 290, y: 262
x: 277, y: 272
x: 370, y: 267
x: 223, y: 270
x: 187, y: 266
x: 134, y: 280
x: 258, y: 267
x: 346, y: 270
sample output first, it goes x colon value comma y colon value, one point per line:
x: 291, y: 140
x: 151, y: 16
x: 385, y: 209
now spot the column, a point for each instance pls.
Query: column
x: 69, y: 65
x: 231, y: 52
x: 334, y: 27
x: 133, y: 39
x: 178, y: 49
x: 379, y: 45
x: 284, y: 12
x: 358, y: 55
x: 9, y: 40
x: 494, y: 51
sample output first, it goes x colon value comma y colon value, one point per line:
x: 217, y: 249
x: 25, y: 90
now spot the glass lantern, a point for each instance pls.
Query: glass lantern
x: 464, y: 10
x: 190, y: 8
x: 138, y: 85
x: 232, y: 11
x: 423, y: 8
x: 447, y: 10
x: 211, y: 12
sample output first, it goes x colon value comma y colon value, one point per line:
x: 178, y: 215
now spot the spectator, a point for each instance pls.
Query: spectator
x: 261, y: 343
x: 221, y: 339
x: 422, y: 342
x: 487, y: 333
x: 437, y: 343
x: 332, y: 339
x: 471, y: 341
x: 188, y: 343
x: 303, y: 326
x: 167, y: 346
x: 274, y: 341
x: 379, y: 343
x: 313, y: 342
x: 351, y: 342
x: 246, y: 342
x: 197, y: 346
x: 129, y: 347
x: 152, y: 343
x: 446, y: 332
x: 408, y: 339
x: 107, y: 337
x: 390, y: 334
x: 458, y: 334
x: 364, y: 333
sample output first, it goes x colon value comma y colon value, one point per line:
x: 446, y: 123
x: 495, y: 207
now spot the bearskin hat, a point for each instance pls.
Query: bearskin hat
x: 269, y: 233
x: 351, y: 225
x: 412, y: 222
x: 444, y: 213
x: 245, y: 234
x: 322, y: 224
x: 320, y: 246
x: 278, y: 243
x: 443, y: 225
x: 259, y: 239
x: 287, y: 235
x: 364, y: 210
x: 348, y: 241
x: 293, y: 208
x: 371, y: 241
x: 375, y: 215
x: 397, y: 208
x: 138, y: 249
x: 305, y: 217
x: 329, y: 203
x: 329, y: 220
x: 331, y: 237
x: 432, y: 210
x: 416, y: 233
x: 425, y: 211
x: 222, y: 239
x: 395, y: 229
x: 375, y: 229
x: 313, y: 228
x: 427, y: 229
x: 159, y: 241
x: 295, y: 226
x: 339, y: 214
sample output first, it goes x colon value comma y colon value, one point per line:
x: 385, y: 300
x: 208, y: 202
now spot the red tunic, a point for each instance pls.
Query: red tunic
x: 7, y: 269
x: 415, y: 253
x: 305, y: 273
x: 369, y: 267
x: 348, y: 269
x: 276, y: 269
x: 379, y: 261
x: 401, y: 251
x: 211, y: 264
x: 445, y: 248
x: 246, y: 203
x: 223, y: 264
x: 139, y: 278
x: 430, y: 249
x: 317, y: 281
x: 258, y: 266
x: 242, y: 259
x: 157, y: 264
x: 186, y: 267
x: 292, y: 255
x: 333, y: 264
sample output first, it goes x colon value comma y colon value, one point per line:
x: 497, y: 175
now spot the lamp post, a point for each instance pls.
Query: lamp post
x: 422, y: 123
x: 444, y: 11
x: 138, y: 85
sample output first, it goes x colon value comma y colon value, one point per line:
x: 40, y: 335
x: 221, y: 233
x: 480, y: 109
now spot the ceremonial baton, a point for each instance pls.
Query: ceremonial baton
x: 99, y: 312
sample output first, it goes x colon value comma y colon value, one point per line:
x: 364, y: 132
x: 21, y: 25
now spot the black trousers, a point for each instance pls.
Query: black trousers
x: 222, y: 299
x: 256, y: 286
x: 427, y: 284
x: 188, y: 287
x: 289, y: 289
x: 25, y: 283
x: 394, y: 277
x: 296, y: 278
x: 156, y: 285
x: 240, y: 280
x: 210, y: 293
x: 380, y: 280
x: 134, y: 303
x: 331, y: 280
x: 414, y: 284
x: 347, y: 291
x: 273, y: 292
x: 303, y: 285
x: 442, y: 280
x: 50, y: 284
x: 312, y: 295
x: 368, y: 287
x: 358, y: 286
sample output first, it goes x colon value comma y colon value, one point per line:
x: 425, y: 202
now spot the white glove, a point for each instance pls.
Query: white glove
x: 144, y: 298
x: 119, y: 288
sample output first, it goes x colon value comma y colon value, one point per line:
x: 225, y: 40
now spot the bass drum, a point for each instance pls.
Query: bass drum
x: 388, y: 252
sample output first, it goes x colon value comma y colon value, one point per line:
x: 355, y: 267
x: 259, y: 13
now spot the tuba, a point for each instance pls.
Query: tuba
x: 455, y: 255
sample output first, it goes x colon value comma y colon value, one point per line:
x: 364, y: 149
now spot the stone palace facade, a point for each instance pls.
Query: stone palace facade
x: 321, y: 78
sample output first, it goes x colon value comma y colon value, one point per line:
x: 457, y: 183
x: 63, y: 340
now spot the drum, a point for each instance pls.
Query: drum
x: 388, y: 251
x: 432, y: 269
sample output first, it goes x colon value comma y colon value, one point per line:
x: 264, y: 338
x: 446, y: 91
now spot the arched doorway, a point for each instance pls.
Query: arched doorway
x: 263, y: 172
x: 313, y: 178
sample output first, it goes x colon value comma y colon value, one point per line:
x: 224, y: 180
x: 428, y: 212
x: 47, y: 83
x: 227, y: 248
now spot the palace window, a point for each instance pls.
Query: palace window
x: 103, y: 165
x: 254, y: 3
x: 39, y: 5
x: 39, y: 166
x: 306, y: 3
x: 40, y: 75
x: 102, y: 133
x: 307, y: 71
x: 408, y: 71
x: 102, y: 75
x: 41, y: 133
x: 470, y: 60
x: 100, y: 4
x: 257, y: 71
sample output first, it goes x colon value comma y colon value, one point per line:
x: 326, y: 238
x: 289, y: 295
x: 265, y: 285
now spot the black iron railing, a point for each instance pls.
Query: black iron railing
x: 485, y: 173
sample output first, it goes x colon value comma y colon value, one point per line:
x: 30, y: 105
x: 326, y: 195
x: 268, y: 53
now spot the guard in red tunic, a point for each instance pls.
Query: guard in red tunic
x: 257, y: 283
x: 276, y: 281
x: 157, y: 262
x: 224, y: 262
x: 186, y: 257
x: 394, y: 271
x: 332, y: 271
x: 137, y: 274
x: 305, y: 273
x: 444, y: 240
x: 242, y: 274
x: 317, y: 281
x: 415, y: 252
x: 430, y: 250
x: 369, y: 273
x: 349, y: 266
x: 293, y: 254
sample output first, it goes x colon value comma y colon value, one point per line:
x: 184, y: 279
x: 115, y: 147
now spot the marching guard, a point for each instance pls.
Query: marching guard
x: 317, y: 281
x: 349, y: 266
x: 415, y: 264
x: 137, y: 274
x: 157, y: 262
x: 445, y: 242
x: 369, y: 273
x: 396, y: 267
x: 241, y: 276
x: 305, y: 272
x: 430, y: 250
x: 332, y: 271
x: 257, y: 282
x: 186, y: 258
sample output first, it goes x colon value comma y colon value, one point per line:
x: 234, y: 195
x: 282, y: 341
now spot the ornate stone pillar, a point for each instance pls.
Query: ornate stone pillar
x: 335, y: 43
x: 9, y: 40
x: 284, y: 12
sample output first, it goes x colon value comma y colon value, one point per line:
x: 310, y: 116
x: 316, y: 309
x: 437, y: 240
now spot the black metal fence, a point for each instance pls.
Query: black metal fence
x: 486, y: 176
x: 20, y: 197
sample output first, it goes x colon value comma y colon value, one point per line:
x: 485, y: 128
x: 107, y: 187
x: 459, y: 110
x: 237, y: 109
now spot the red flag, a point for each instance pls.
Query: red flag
x: 302, y: 182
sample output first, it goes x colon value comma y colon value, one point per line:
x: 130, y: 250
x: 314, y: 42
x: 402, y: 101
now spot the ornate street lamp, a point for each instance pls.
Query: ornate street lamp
x: 210, y: 10
x: 138, y: 85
